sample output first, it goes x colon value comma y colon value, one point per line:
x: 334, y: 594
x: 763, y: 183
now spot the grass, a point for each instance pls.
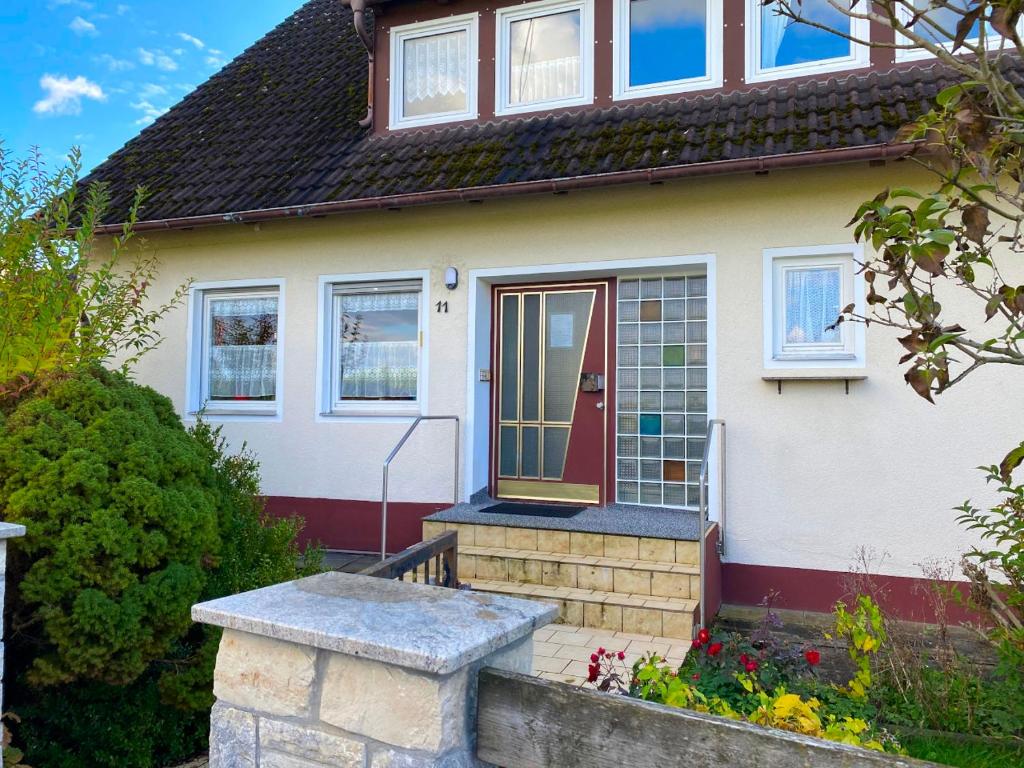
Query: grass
x: 964, y: 754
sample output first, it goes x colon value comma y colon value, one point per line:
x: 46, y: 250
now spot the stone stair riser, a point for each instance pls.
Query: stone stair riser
x: 616, y: 618
x: 559, y: 574
x: 569, y: 542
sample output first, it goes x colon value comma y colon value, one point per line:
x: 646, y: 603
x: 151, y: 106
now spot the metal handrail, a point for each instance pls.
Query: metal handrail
x: 391, y: 457
x: 703, y: 509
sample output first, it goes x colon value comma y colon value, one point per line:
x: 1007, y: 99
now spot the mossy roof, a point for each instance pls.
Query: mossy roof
x: 278, y: 127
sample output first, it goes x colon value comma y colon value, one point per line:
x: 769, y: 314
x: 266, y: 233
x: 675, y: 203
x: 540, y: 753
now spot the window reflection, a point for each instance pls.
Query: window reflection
x: 544, y: 55
x: 785, y: 42
x: 668, y: 40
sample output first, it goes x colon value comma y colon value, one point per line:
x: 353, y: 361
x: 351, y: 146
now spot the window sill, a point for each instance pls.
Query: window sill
x: 220, y: 412
x: 781, y: 377
x: 372, y: 414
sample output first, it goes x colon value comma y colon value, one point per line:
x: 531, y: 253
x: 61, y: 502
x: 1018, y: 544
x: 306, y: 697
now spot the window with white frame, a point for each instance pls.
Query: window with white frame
x: 805, y: 292
x: 374, y: 352
x: 434, y: 72
x: 936, y: 25
x: 778, y: 46
x: 235, y: 361
x: 666, y: 46
x: 545, y: 56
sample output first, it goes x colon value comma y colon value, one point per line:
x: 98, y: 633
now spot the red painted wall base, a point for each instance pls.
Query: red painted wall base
x: 812, y: 590
x: 354, y: 525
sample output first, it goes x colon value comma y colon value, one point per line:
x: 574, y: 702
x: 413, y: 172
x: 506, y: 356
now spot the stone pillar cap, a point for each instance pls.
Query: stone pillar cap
x: 429, y: 629
x: 11, y: 531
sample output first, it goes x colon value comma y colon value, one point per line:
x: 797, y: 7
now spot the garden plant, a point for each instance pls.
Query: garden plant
x: 131, y: 517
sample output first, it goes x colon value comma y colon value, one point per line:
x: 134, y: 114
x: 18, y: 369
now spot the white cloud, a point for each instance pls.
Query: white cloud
x: 114, y: 64
x: 64, y: 95
x: 215, y: 61
x: 80, y: 4
x: 149, y: 112
x: 194, y: 40
x: 157, y: 59
x: 149, y: 90
x: 82, y: 27
x: 123, y: 9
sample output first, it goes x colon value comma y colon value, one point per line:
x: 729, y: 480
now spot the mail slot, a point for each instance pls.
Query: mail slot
x: 591, y: 382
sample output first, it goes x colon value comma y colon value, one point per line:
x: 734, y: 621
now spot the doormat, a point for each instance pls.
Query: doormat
x: 533, y: 510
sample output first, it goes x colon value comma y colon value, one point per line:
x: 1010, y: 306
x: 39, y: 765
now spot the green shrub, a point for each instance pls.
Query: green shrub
x: 131, y: 520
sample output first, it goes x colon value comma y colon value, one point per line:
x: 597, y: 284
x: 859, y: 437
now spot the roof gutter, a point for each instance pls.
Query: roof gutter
x: 556, y: 186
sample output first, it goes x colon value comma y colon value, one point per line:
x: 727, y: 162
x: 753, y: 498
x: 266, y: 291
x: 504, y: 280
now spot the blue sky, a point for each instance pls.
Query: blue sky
x: 93, y: 73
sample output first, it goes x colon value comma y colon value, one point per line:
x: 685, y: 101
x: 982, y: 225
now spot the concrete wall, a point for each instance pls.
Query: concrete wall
x: 813, y: 474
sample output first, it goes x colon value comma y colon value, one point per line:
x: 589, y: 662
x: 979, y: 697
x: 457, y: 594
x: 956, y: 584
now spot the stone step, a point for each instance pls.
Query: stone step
x: 607, y: 574
x: 569, y: 542
x: 637, y: 614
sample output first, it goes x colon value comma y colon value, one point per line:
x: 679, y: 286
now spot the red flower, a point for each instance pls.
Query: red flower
x: 695, y: 644
x: 696, y: 677
x: 594, y: 658
x: 704, y: 636
x: 751, y: 666
x: 813, y: 657
x: 600, y: 651
x: 622, y: 655
x: 714, y: 649
x: 592, y: 672
x: 744, y: 659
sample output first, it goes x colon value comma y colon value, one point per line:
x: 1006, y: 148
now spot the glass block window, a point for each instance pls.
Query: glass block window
x: 662, y: 402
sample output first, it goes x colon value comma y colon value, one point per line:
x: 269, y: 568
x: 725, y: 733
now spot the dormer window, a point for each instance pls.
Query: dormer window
x: 545, y: 56
x: 434, y: 72
x: 666, y: 46
x: 781, y: 47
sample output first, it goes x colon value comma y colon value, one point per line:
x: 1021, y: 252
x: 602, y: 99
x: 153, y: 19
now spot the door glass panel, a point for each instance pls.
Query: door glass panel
x: 556, y: 443
x: 508, y: 459
x: 567, y: 321
x: 531, y: 357
x: 530, y: 452
x: 510, y: 358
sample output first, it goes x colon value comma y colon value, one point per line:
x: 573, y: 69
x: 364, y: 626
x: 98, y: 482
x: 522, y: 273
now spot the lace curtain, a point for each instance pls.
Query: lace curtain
x: 773, y: 30
x: 435, y: 67
x: 243, y: 372
x: 379, y: 357
x: 812, y: 304
x: 546, y: 80
x: 243, y: 349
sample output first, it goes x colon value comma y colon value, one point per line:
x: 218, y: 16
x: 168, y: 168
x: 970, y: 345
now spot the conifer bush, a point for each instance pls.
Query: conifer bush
x: 131, y: 520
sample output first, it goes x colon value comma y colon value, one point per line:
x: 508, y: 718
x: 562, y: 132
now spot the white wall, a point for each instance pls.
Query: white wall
x: 813, y: 473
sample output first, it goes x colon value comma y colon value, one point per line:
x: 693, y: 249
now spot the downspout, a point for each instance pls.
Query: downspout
x: 359, y: 22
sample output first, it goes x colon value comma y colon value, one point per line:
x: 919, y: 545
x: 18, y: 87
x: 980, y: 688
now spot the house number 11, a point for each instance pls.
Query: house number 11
x: 442, y: 307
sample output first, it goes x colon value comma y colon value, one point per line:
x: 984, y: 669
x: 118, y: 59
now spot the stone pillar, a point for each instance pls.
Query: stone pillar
x: 7, y: 531
x: 339, y: 670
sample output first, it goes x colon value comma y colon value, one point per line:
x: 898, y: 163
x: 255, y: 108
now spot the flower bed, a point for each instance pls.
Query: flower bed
x: 774, y: 683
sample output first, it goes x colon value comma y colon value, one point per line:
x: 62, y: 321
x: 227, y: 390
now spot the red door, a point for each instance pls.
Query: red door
x: 549, y: 422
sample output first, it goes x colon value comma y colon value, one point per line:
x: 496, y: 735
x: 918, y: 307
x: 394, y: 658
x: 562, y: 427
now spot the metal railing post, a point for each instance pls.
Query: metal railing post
x: 387, y: 464
x: 703, y: 508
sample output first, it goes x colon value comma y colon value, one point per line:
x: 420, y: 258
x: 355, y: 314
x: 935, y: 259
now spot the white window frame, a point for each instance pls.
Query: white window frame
x: 903, y: 54
x: 504, y: 17
x: 849, y: 352
x: 329, y: 407
x: 469, y: 23
x: 197, y: 348
x: 621, y: 89
x: 860, y: 55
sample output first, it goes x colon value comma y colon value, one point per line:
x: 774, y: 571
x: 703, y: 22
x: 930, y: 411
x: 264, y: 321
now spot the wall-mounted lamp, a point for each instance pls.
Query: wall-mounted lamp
x: 451, y: 278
